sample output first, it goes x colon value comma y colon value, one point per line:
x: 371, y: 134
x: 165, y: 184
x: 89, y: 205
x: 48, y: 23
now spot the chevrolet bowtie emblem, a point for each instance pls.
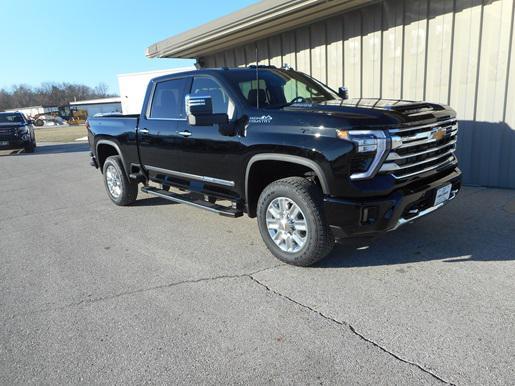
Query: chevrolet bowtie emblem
x: 438, y: 133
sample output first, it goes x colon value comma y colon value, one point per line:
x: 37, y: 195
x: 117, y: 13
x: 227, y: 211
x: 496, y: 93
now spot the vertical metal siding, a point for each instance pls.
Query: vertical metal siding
x: 275, y: 51
x: 393, y: 44
x: 457, y: 52
x: 334, y: 42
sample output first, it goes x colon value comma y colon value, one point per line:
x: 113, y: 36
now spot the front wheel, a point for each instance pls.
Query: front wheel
x: 119, y: 188
x: 30, y: 147
x: 292, y: 222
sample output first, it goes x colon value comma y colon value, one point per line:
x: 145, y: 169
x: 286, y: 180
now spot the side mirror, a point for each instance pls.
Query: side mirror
x: 200, y: 112
x: 343, y: 92
x: 30, y: 121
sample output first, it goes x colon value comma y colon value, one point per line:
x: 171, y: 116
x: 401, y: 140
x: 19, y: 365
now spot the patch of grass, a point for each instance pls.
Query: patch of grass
x: 60, y: 134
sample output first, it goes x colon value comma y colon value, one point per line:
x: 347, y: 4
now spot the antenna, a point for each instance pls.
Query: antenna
x: 257, y: 78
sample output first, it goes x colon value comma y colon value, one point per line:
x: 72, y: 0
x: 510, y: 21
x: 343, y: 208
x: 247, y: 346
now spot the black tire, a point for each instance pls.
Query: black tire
x: 39, y: 122
x: 128, y: 189
x: 319, y: 240
x: 30, y: 147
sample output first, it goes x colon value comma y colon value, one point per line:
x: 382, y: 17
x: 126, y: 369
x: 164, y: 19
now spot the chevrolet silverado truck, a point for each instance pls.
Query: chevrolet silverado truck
x: 281, y: 146
x: 16, y: 132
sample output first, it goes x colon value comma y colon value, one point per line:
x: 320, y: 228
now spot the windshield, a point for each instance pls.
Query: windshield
x: 10, y: 118
x: 278, y: 88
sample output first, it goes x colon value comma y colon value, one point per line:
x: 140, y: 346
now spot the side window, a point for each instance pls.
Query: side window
x: 251, y: 92
x: 167, y: 99
x: 203, y: 86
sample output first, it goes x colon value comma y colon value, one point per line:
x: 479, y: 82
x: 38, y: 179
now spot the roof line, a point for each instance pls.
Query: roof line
x: 248, y: 24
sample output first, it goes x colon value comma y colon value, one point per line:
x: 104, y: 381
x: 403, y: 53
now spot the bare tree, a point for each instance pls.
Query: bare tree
x: 49, y: 94
x: 102, y: 89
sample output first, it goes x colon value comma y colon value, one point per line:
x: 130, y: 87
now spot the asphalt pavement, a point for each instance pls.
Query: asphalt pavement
x: 164, y: 293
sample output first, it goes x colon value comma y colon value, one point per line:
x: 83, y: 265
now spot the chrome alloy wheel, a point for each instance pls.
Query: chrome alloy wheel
x: 286, y: 225
x: 114, y: 181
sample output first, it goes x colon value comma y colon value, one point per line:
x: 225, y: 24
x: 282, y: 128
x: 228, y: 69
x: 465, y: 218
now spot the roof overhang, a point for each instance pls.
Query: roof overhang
x: 260, y: 20
x: 100, y: 101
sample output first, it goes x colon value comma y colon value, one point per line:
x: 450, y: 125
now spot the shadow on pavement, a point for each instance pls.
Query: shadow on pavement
x: 152, y: 201
x: 59, y: 148
x: 477, y: 226
x: 49, y: 148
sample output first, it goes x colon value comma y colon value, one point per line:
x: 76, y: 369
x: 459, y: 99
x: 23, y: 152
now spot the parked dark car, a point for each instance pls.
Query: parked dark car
x: 281, y: 146
x: 16, y: 132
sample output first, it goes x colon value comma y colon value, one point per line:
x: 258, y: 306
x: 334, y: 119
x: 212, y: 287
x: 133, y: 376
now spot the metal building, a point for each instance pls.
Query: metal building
x: 98, y: 106
x: 33, y: 110
x: 457, y: 52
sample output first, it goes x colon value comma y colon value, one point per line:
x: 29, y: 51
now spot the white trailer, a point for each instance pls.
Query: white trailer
x: 134, y: 85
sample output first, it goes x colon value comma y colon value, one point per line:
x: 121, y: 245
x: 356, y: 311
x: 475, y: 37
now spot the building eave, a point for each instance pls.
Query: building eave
x: 247, y: 25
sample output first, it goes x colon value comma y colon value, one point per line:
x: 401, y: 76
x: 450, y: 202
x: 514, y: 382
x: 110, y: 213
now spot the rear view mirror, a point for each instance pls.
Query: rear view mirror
x: 200, y: 111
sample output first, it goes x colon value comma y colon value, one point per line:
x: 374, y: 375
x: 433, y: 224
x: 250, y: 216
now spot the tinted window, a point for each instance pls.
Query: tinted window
x: 11, y: 118
x: 203, y: 86
x: 279, y: 87
x: 168, y: 99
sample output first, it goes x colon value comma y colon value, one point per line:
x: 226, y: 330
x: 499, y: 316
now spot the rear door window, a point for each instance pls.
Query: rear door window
x: 168, y: 99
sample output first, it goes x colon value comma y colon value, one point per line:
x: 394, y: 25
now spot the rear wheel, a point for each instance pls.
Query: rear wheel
x: 119, y: 188
x: 292, y: 223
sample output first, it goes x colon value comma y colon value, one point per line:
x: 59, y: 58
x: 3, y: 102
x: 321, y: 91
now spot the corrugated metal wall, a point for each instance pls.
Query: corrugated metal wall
x: 458, y: 52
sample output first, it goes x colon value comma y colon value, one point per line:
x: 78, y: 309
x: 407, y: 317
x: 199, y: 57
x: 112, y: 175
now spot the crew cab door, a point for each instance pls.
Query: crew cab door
x: 160, y: 144
x: 210, y: 154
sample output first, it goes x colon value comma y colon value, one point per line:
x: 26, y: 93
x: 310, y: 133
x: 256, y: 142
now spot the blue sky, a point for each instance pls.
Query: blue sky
x: 91, y: 41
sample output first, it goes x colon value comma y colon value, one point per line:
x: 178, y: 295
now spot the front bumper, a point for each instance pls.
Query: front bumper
x: 13, y: 143
x: 368, y: 216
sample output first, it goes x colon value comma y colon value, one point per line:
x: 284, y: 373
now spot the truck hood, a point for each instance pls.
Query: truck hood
x: 370, y: 112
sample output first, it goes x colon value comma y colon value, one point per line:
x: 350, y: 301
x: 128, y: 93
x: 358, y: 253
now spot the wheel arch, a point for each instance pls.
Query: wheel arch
x: 306, y: 163
x: 106, y: 148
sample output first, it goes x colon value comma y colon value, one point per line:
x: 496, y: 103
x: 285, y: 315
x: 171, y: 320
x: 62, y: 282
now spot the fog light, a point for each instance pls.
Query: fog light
x: 369, y: 215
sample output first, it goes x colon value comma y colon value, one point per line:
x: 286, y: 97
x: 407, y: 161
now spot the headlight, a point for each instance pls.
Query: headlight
x: 373, y: 143
x: 21, y: 132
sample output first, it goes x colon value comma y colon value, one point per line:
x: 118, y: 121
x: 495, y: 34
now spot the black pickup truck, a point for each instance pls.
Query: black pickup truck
x: 16, y: 132
x: 283, y: 147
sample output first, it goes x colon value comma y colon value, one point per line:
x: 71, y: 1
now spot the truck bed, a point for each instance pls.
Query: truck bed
x: 113, y: 125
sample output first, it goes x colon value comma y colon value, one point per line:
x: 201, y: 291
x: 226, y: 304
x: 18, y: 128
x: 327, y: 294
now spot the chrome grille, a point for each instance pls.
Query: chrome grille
x: 8, y: 131
x: 419, y: 149
x: 6, y: 134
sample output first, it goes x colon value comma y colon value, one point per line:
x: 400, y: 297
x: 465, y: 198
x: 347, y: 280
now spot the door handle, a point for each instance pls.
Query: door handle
x: 143, y: 131
x: 184, y: 133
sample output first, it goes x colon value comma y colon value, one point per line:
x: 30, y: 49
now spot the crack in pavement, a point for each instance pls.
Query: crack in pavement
x: 353, y: 330
x: 140, y: 290
x: 253, y: 279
